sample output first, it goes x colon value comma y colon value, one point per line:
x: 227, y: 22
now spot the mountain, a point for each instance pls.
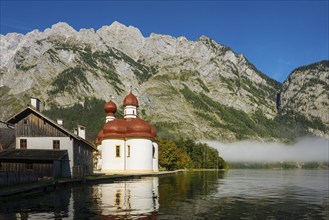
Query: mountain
x: 198, y: 89
x: 306, y: 93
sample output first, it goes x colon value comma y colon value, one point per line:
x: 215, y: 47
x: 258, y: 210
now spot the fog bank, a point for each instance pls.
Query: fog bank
x: 304, y: 150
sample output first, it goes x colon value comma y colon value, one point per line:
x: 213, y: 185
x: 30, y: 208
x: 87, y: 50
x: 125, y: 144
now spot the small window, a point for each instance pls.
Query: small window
x: 23, y: 143
x: 128, y: 151
x: 56, y: 144
x: 153, y: 151
x: 29, y: 166
x: 117, y: 151
x: 25, y: 121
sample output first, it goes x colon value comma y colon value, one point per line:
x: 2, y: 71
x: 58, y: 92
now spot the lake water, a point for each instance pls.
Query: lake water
x: 235, y: 194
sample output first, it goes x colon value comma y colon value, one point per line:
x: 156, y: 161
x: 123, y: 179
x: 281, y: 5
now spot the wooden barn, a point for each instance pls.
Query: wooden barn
x: 44, y: 146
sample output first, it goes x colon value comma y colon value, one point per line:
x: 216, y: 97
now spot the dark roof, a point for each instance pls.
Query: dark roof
x: 28, y: 110
x: 32, y: 154
x: 7, y: 124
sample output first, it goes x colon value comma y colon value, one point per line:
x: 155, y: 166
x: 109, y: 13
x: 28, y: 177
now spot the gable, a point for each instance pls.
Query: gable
x: 32, y: 125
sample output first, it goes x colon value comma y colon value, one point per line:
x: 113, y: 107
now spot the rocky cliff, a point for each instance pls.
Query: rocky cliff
x: 199, y: 88
x: 306, y: 92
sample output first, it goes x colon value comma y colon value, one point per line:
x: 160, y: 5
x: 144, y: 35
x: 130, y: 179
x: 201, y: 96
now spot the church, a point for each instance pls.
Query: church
x: 127, y: 145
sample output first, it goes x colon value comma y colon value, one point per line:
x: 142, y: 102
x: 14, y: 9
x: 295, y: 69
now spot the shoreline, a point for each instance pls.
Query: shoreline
x: 53, y: 185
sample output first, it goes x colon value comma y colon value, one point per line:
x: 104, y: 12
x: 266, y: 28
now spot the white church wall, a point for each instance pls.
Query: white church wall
x: 110, y: 161
x: 155, y: 157
x: 140, y: 155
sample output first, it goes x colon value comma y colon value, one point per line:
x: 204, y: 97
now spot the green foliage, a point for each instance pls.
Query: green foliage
x: 142, y: 72
x: 168, y: 157
x: 203, y: 86
x: 69, y: 80
x: 186, y: 153
x: 53, y: 56
x: 194, y: 99
x: 185, y: 75
x: 246, y: 126
x: 301, y: 123
x: 230, y: 84
x: 91, y: 115
x: 321, y: 65
x: 279, y: 165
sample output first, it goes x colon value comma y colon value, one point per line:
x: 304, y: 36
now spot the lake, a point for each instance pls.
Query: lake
x: 234, y: 194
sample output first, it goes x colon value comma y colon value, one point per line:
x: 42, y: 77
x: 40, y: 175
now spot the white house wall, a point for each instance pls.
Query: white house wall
x: 46, y: 143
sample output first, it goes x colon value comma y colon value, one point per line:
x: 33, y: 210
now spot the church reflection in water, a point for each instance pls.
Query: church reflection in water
x: 131, y: 199
x: 138, y: 197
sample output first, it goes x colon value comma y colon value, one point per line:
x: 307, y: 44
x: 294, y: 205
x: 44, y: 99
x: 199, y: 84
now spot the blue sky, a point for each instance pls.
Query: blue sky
x: 276, y: 36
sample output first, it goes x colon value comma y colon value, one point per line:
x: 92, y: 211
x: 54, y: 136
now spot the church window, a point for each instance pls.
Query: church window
x: 128, y: 151
x: 117, y: 151
x: 153, y: 151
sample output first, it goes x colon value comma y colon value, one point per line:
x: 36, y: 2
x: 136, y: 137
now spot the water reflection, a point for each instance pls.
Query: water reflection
x: 137, y: 198
x: 128, y: 199
x: 236, y: 194
x: 52, y: 206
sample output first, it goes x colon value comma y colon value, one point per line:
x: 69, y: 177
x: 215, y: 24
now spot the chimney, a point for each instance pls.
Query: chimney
x: 81, y: 131
x: 75, y: 131
x: 35, y: 103
x: 60, y: 122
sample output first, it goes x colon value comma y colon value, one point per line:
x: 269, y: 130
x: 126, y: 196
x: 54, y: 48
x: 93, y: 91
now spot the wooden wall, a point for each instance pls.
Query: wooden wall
x: 40, y: 169
x: 33, y: 126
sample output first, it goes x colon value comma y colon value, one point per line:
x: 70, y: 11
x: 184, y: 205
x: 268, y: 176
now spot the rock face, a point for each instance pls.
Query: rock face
x: 184, y: 86
x: 306, y: 91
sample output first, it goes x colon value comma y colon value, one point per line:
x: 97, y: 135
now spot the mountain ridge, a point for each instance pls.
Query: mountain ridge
x: 62, y: 67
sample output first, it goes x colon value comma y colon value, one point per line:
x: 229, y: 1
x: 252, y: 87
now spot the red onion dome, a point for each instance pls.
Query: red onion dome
x: 139, y: 128
x: 110, y: 108
x: 130, y: 100
x: 115, y: 128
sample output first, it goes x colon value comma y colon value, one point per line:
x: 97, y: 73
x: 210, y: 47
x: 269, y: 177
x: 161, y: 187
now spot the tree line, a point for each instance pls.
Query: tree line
x: 188, y: 154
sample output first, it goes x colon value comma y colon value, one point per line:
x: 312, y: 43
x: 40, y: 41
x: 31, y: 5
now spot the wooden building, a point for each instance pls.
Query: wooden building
x: 38, y: 137
x: 49, y: 163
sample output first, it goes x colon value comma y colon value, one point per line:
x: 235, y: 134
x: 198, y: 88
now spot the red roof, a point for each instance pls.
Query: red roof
x: 124, y: 128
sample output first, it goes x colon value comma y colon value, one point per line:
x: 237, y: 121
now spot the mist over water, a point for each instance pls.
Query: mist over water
x: 304, y: 150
